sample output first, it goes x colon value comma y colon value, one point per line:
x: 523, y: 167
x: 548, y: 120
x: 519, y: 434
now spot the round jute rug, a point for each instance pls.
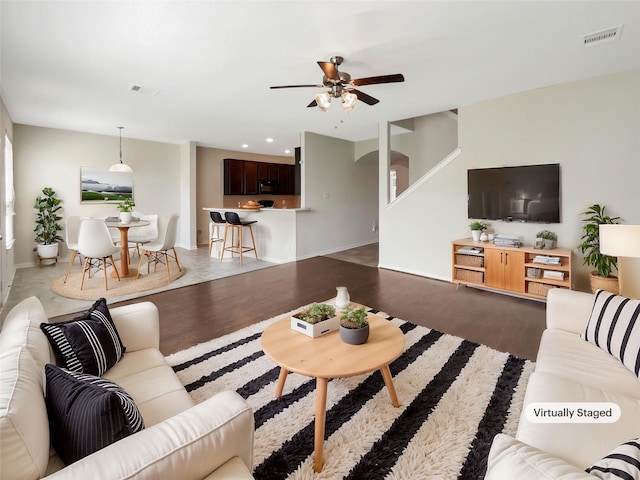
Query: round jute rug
x: 94, y: 287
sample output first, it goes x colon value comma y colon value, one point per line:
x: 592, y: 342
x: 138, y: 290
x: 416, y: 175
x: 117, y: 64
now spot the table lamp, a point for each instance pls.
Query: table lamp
x: 623, y: 241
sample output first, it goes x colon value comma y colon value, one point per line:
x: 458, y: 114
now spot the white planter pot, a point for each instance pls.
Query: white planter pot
x: 47, y: 251
x: 125, y: 217
x: 476, y: 235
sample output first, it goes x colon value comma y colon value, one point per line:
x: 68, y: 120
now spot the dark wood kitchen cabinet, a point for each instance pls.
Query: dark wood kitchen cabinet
x: 242, y: 177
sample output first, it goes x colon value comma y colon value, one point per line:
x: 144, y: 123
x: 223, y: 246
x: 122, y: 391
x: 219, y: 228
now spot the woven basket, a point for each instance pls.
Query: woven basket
x: 541, y: 289
x: 469, y: 260
x: 469, y: 276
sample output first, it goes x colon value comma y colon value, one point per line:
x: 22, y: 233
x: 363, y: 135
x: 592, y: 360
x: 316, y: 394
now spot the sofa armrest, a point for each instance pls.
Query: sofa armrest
x: 188, y: 446
x: 138, y: 325
x: 510, y: 458
x: 568, y: 310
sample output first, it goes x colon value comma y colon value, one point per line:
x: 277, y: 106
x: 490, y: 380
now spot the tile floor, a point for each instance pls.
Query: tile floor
x: 200, y: 268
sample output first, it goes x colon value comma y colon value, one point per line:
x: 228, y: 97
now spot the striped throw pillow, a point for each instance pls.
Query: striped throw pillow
x: 623, y: 463
x: 87, y: 413
x: 89, y: 343
x: 614, y: 326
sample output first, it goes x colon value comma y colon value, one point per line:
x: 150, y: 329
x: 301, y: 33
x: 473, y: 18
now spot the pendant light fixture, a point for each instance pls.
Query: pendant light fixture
x: 120, y: 167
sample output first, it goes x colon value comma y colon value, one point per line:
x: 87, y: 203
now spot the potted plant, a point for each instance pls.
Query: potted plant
x: 476, y: 229
x: 318, y: 319
x: 601, y: 277
x: 548, y: 237
x: 354, y: 326
x: 126, y: 207
x: 47, y: 223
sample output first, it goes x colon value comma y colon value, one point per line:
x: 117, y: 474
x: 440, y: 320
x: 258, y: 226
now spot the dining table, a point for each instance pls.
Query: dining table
x: 123, y: 228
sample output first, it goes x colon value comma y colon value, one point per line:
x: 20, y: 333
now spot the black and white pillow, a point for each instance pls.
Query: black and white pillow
x: 614, y: 326
x: 622, y: 463
x: 87, y: 413
x: 89, y: 343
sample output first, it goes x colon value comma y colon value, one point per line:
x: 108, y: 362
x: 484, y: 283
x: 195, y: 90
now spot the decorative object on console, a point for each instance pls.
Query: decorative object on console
x: 47, y: 226
x: 623, y: 241
x: 476, y: 229
x: 120, y: 167
x: 342, y: 298
x: 549, y: 238
x: 354, y: 326
x: 601, y: 277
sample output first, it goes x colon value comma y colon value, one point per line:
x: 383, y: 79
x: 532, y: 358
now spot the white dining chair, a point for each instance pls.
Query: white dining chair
x: 71, y: 230
x: 140, y: 235
x: 96, y: 245
x: 158, y: 250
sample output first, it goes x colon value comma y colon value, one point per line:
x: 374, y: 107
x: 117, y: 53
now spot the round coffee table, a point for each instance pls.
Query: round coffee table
x: 328, y: 357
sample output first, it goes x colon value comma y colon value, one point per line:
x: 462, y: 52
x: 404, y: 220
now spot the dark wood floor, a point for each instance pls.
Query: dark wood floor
x: 194, y: 314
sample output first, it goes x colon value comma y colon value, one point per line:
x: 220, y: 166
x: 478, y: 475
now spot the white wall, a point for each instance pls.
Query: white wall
x: 51, y: 157
x: 435, y: 136
x: 341, y: 193
x: 592, y: 128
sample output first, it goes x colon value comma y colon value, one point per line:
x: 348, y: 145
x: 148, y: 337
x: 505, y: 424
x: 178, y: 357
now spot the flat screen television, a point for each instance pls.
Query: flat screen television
x: 528, y: 193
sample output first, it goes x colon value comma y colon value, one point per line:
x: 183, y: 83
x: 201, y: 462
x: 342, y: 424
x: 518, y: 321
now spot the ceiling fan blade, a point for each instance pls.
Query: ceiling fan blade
x: 298, y: 86
x: 313, y: 104
x: 330, y: 70
x: 368, y: 99
x: 398, y: 77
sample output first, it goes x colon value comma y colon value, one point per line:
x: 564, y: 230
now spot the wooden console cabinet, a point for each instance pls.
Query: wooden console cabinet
x: 512, y: 270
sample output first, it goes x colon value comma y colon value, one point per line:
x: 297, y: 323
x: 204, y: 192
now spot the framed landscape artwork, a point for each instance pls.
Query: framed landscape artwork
x: 99, y: 185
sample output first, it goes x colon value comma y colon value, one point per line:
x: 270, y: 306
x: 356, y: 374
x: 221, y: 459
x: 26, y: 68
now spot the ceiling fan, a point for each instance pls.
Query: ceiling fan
x: 341, y: 85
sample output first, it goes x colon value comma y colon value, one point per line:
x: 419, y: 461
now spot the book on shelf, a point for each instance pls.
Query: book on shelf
x: 552, y: 274
x: 470, y: 250
x: 547, y: 260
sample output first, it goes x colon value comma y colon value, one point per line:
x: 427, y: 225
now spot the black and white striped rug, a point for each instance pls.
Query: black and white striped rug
x: 455, y: 397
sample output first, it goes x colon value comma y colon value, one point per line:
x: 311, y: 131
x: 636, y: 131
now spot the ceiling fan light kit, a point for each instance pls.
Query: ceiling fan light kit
x: 341, y: 85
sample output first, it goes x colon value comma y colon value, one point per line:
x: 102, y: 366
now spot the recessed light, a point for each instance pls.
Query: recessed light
x: 269, y: 140
x: 244, y: 145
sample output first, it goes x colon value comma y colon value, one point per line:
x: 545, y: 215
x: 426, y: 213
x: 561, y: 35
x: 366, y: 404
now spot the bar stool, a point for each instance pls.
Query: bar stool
x: 217, y: 222
x: 234, y: 223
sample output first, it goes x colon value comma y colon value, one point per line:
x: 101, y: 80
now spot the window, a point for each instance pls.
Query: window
x: 392, y: 184
x: 9, y: 193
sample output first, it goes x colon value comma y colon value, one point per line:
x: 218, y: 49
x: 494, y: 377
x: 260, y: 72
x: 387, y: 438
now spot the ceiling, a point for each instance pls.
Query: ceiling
x: 205, y: 67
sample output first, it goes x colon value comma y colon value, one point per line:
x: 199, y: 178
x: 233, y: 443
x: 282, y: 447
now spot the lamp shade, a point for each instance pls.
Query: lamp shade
x: 349, y: 101
x: 620, y: 240
x: 120, y: 167
x: 324, y: 101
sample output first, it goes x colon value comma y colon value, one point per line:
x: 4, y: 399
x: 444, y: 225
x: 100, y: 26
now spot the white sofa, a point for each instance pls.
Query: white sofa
x: 568, y: 369
x: 211, y: 440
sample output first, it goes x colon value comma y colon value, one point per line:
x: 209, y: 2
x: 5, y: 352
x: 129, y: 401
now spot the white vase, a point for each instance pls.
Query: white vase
x: 125, y: 217
x: 342, y: 298
x: 476, y: 235
x: 484, y: 237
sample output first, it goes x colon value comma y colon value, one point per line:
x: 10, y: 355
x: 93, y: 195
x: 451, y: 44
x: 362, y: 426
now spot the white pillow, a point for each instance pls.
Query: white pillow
x: 614, y: 326
x: 623, y: 462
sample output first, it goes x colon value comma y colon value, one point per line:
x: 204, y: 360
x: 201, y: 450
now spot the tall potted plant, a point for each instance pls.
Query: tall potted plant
x: 604, y: 265
x: 47, y: 223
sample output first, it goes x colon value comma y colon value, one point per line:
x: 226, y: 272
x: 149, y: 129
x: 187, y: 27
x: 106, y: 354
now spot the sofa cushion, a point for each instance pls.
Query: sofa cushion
x: 89, y: 343
x: 21, y: 328
x: 567, y: 355
x: 623, y: 462
x: 87, y: 413
x: 24, y: 429
x: 595, y: 439
x: 614, y: 327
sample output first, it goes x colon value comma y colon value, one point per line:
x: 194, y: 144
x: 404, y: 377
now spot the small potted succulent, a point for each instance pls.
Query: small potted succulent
x: 548, y: 237
x: 47, y: 224
x: 476, y: 229
x: 318, y: 319
x: 126, y: 207
x: 354, y: 326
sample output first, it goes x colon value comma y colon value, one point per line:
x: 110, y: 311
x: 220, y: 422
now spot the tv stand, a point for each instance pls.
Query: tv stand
x: 524, y: 271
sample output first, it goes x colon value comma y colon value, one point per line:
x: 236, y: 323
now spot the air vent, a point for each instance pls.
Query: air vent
x: 603, y: 36
x: 144, y: 90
